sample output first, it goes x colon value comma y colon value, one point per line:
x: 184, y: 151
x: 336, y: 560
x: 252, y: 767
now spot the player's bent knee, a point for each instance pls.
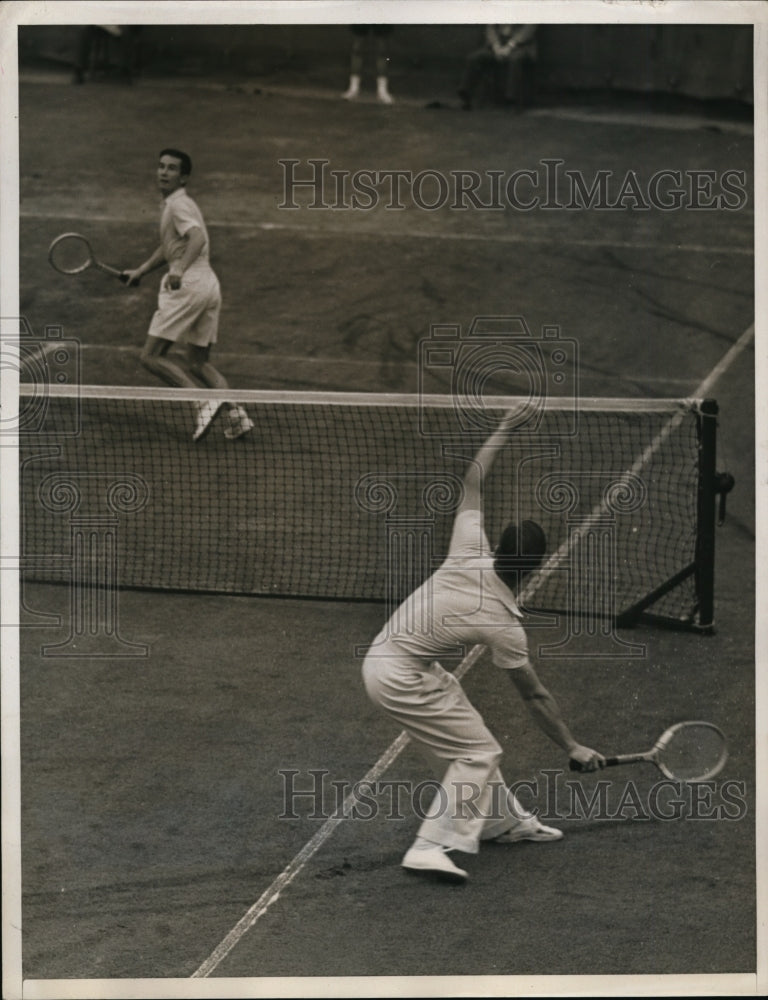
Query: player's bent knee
x: 380, y: 686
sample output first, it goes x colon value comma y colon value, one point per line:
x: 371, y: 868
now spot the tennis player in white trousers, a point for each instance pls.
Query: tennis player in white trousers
x: 468, y: 600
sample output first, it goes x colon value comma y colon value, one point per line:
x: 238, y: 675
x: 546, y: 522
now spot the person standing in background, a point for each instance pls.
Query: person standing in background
x: 380, y: 34
x: 509, y: 54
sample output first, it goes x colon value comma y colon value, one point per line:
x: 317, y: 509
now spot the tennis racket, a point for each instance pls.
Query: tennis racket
x: 687, y: 751
x: 71, y: 253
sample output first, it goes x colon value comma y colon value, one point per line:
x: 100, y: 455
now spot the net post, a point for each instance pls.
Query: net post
x: 705, y: 517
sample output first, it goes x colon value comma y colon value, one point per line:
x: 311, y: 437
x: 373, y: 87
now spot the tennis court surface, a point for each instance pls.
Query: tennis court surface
x: 157, y: 783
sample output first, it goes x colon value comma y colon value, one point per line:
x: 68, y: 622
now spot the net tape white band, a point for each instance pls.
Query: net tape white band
x: 413, y: 400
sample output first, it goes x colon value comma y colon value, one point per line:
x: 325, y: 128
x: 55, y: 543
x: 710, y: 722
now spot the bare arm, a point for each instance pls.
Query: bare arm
x: 150, y: 264
x: 546, y: 713
x: 195, y: 241
x: 481, y: 464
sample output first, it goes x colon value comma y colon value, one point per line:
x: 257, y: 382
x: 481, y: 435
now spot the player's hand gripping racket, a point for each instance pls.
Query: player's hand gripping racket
x: 71, y: 253
x: 687, y: 751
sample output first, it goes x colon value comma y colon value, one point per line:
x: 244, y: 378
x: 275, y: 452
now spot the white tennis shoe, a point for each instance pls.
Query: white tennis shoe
x: 433, y: 861
x: 205, y: 415
x: 528, y: 829
x: 238, y: 423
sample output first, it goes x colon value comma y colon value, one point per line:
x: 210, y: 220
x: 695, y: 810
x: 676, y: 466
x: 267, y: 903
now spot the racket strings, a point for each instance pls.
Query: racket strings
x: 694, y: 752
x: 71, y: 254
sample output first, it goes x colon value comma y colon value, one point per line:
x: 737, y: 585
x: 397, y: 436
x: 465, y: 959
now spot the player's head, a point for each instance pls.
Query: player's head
x: 173, y: 170
x: 520, y: 551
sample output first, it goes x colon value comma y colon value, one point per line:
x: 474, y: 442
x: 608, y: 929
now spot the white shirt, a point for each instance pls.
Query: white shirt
x: 463, y: 603
x: 180, y: 214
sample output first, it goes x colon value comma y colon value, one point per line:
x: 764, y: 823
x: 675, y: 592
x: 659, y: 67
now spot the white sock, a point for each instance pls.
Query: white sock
x: 382, y: 88
x: 354, y: 85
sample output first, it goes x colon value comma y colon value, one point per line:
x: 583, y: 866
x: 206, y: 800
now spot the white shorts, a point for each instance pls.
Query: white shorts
x: 190, y: 313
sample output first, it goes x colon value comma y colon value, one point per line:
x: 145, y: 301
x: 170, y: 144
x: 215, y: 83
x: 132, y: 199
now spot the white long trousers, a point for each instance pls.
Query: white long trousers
x: 472, y: 802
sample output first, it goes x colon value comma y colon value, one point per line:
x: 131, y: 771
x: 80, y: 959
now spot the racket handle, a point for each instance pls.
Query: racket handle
x: 109, y: 270
x: 608, y: 762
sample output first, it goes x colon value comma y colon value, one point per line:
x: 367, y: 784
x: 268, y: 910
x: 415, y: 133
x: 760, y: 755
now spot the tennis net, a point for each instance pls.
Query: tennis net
x: 353, y: 495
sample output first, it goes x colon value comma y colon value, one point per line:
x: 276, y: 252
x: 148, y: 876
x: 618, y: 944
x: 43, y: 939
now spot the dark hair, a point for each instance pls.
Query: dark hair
x: 520, y: 551
x: 186, y: 162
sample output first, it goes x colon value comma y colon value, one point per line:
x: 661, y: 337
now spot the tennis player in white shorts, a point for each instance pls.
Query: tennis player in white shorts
x: 467, y: 601
x: 189, y: 300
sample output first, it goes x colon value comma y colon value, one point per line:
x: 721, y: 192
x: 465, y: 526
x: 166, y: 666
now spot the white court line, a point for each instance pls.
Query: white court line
x: 41, y: 351
x: 644, y: 120
x: 289, y: 873
x: 515, y: 238
x: 702, y: 390
x: 725, y: 362
x: 301, y: 359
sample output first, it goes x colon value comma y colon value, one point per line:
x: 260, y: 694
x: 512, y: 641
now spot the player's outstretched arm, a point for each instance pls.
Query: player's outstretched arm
x: 482, y: 462
x: 546, y: 712
x: 157, y: 259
